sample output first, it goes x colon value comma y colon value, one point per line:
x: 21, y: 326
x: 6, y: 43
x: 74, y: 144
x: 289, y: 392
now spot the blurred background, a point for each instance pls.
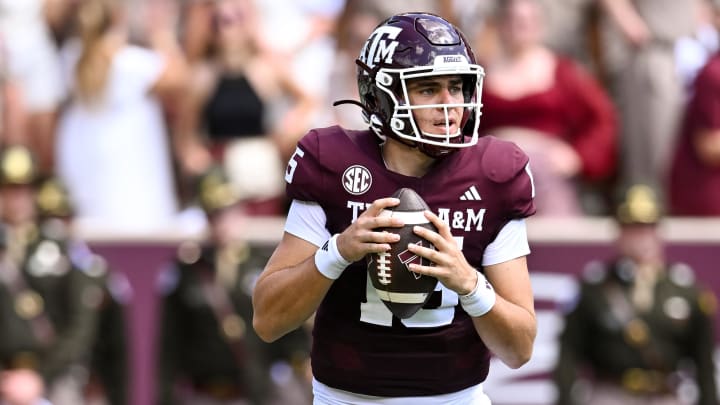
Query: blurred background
x: 145, y: 141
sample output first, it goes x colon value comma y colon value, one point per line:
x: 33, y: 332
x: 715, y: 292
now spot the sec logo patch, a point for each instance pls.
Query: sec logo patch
x: 357, y: 179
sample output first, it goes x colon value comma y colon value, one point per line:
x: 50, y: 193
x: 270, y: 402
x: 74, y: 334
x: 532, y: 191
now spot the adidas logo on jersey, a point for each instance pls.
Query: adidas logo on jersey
x: 471, y: 194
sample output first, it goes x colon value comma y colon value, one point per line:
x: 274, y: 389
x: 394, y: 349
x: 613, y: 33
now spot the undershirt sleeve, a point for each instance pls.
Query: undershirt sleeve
x: 511, y: 243
x: 306, y: 220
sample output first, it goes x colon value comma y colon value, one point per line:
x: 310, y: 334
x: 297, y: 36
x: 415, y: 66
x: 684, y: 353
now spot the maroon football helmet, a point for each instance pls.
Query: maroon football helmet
x: 408, y: 46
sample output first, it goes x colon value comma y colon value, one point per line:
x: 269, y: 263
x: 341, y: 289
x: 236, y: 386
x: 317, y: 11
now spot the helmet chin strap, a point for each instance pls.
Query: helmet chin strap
x: 353, y: 102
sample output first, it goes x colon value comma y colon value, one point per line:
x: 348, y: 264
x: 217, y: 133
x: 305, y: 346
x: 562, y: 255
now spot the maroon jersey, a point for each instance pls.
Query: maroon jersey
x: 358, y: 346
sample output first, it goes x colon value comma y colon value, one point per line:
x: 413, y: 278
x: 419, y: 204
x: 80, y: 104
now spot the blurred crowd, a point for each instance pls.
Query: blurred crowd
x: 128, y: 102
x: 157, y: 115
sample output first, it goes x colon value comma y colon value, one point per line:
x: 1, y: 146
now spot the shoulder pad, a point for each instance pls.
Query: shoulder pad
x: 315, y: 157
x: 595, y: 272
x: 189, y: 252
x: 681, y: 274
x: 502, y: 160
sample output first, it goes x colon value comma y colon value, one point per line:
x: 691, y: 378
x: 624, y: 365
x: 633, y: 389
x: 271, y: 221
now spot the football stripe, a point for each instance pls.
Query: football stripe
x: 402, y: 298
x: 410, y: 218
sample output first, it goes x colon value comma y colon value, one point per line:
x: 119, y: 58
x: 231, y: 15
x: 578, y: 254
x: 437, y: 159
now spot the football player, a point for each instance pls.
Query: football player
x: 420, y: 91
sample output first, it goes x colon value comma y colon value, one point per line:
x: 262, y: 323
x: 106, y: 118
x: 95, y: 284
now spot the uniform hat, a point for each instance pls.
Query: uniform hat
x: 53, y: 199
x: 17, y: 166
x: 639, y: 205
x: 215, y: 190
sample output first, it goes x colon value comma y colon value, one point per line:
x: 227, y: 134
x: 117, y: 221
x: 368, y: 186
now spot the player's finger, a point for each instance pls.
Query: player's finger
x: 425, y: 270
x: 382, y: 237
x: 442, y: 226
x: 426, y: 252
x: 376, y: 247
x: 386, y: 221
x: 430, y: 236
x: 380, y: 204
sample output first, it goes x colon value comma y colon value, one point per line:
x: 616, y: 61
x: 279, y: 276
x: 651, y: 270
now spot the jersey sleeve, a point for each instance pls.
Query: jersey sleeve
x: 523, y: 193
x: 506, y: 165
x: 304, y: 172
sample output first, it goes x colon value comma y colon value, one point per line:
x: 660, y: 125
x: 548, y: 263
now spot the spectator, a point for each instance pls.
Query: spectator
x: 638, y: 38
x: 694, y: 180
x: 227, y: 108
x: 11, y: 108
x: 569, y: 29
x: 440, y: 7
x: 693, y: 51
x: 552, y: 108
x: 309, y: 52
x: 355, y: 24
x: 34, y: 65
x: 107, y: 382
x: 195, y: 29
x: 641, y: 329
x: 206, y: 338
x: 113, y: 151
x: 49, y: 300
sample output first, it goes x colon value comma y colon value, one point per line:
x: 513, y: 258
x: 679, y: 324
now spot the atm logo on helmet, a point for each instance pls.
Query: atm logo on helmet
x: 380, y: 47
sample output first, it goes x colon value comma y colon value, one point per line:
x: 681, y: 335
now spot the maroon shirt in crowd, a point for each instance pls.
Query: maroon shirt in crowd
x: 695, y: 187
x: 575, y: 108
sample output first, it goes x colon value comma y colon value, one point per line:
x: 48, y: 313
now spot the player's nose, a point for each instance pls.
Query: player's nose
x: 446, y: 95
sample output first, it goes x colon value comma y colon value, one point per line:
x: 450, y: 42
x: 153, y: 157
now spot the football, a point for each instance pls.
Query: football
x: 401, y: 290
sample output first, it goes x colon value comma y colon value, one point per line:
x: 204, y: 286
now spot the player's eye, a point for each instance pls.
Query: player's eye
x: 455, y: 89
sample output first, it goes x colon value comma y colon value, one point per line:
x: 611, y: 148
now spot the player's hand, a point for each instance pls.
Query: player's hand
x: 361, y: 237
x: 450, y: 266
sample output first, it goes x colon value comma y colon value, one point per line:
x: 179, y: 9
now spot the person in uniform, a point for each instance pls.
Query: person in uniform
x: 420, y: 90
x: 206, y: 339
x: 640, y: 328
x: 48, y: 304
x: 108, y: 378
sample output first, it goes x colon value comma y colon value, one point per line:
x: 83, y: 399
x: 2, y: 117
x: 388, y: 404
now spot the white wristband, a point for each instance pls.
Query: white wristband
x: 480, y: 300
x: 329, y: 261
